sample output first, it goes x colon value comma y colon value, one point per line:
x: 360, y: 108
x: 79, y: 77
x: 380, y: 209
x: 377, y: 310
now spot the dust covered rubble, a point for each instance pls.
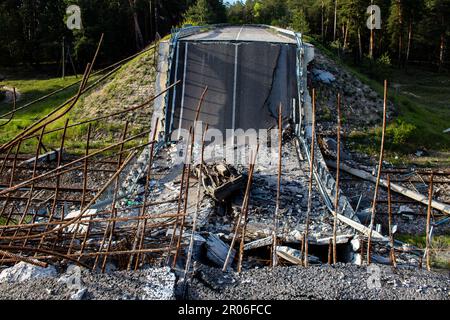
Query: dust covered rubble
x: 74, y: 283
x: 320, y: 282
x: 23, y: 271
x: 362, y: 107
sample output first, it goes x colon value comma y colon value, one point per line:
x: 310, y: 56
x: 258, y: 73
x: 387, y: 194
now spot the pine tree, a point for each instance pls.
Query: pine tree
x: 206, y: 12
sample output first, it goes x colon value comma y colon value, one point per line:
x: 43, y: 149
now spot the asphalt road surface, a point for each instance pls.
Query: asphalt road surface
x: 241, y: 33
x: 249, y: 71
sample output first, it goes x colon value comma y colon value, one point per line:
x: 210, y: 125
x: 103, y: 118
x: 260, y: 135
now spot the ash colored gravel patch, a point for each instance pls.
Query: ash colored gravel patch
x: 342, y: 282
x: 141, y: 285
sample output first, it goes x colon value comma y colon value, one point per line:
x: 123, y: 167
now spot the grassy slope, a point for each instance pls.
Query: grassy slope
x: 423, y: 103
x: 440, y: 254
x: 117, y: 88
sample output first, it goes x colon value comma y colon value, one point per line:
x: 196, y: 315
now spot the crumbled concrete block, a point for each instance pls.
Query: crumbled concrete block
x: 25, y: 271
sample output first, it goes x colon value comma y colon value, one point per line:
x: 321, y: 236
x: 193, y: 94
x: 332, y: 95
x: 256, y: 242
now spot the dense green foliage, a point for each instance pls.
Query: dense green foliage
x: 31, y: 31
x: 411, y: 30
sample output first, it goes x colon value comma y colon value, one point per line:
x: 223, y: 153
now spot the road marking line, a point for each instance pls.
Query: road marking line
x: 235, y: 86
x: 239, y: 34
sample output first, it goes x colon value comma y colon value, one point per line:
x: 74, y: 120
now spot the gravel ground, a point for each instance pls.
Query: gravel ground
x: 320, y: 282
x: 150, y: 284
x: 324, y: 282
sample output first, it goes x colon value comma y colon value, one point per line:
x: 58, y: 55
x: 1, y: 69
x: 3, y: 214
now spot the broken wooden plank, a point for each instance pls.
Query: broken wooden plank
x: 49, y: 156
x: 294, y: 256
x: 341, y: 239
x: 258, y: 243
x: 361, y: 228
x: 395, y: 187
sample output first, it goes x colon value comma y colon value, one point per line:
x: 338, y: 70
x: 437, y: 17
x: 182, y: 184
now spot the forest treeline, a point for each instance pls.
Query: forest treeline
x: 411, y: 31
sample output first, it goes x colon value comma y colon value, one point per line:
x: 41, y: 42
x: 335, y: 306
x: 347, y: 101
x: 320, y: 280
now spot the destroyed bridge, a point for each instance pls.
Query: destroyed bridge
x: 132, y: 204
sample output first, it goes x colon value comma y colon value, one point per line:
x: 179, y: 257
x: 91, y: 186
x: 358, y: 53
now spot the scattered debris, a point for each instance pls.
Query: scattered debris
x: 294, y: 256
x: 395, y: 187
x: 23, y: 271
x: 323, y: 76
x: 220, y: 180
x: 217, y: 250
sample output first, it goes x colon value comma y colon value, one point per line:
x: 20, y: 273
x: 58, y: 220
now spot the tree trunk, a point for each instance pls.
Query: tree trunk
x: 346, y: 36
x: 335, y: 19
x: 360, y: 44
x: 400, y: 34
x: 322, y: 22
x: 137, y: 28
x: 441, y: 51
x: 408, y: 49
x: 151, y: 18
x: 156, y: 16
x: 372, y: 40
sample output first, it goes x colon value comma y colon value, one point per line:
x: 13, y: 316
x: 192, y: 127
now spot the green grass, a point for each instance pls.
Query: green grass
x: 440, y: 246
x: 118, y: 91
x: 31, y: 89
x: 422, y: 102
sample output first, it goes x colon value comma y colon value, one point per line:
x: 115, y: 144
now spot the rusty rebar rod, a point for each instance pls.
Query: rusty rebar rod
x: 5, y: 160
x: 391, y: 233
x: 51, y: 172
x: 94, y: 220
x: 146, y: 103
x: 44, y: 121
x: 380, y: 168
x: 13, y: 111
x: 330, y: 251
x: 78, y: 81
x: 186, y: 195
x: 146, y: 194
x: 244, y: 211
x: 109, y: 230
x: 180, y: 198
x: 82, y: 212
x: 48, y: 252
x: 277, y: 205
x: 85, y: 166
x: 241, y: 214
x: 194, y: 219
x: 338, y: 164
x: 428, y: 242
x: 188, y: 171
x: 11, y: 181
x: 16, y: 257
x: 58, y: 182
x: 311, y: 176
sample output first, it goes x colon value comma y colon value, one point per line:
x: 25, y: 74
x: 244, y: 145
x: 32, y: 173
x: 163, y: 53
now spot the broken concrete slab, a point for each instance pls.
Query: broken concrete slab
x: 294, y: 256
x: 160, y: 284
x: 217, y: 250
x: 341, y: 239
x: 25, y: 271
x: 323, y: 76
x: 258, y: 243
x: 330, y: 146
x: 82, y: 227
x: 49, y: 156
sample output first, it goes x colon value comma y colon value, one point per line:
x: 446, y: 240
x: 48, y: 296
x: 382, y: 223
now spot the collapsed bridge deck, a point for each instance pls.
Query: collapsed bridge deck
x: 249, y: 71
